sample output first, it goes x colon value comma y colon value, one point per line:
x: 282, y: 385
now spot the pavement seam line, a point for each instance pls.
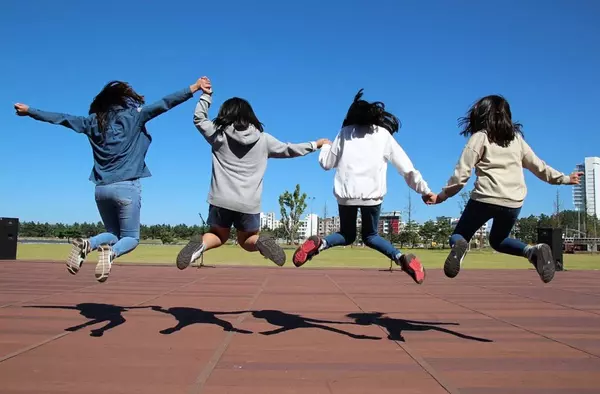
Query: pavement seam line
x: 514, y: 325
x: 61, y: 335
x: 437, y: 376
x: 208, y: 369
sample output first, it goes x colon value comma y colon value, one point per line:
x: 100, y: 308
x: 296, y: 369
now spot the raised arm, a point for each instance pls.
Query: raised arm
x: 405, y: 167
x: 80, y: 124
x: 281, y: 150
x: 151, y: 111
x: 464, y: 168
x: 540, y: 169
x: 330, y: 154
x: 204, y: 125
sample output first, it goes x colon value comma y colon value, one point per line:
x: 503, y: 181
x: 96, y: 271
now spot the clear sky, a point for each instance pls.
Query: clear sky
x: 299, y: 64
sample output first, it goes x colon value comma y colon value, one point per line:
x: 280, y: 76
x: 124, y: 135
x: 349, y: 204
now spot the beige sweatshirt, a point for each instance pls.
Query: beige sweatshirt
x: 500, y: 178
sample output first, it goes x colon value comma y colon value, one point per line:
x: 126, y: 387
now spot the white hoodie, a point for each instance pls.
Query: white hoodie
x: 360, y: 155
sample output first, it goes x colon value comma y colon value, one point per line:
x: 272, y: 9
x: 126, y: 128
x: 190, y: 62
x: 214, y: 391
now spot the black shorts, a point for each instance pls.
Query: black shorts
x: 225, y: 218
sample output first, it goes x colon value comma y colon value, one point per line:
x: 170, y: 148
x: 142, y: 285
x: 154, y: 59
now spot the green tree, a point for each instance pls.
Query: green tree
x: 428, y: 231
x: 444, y: 230
x: 526, y: 229
x: 292, y: 206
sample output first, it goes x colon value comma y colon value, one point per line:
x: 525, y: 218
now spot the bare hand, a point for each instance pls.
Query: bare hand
x: 574, y: 178
x: 429, y: 198
x: 22, y: 109
x: 323, y: 141
x: 205, y: 85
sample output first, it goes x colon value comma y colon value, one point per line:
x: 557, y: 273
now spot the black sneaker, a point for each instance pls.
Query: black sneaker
x: 541, y: 257
x: 271, y: 250
x: 455, y: 258
x: 190, y: 252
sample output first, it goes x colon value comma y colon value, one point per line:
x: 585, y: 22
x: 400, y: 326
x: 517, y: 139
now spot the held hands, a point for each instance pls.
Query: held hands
x: 202, y: 84
x: 22, y: 109
x: 432, y: 199
x: 323, y: 141
x: 574, y: 178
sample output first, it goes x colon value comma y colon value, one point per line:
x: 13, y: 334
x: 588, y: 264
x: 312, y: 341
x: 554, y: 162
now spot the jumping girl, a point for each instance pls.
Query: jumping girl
x: 499, y: 153
x: 116, y: 130
x: 240, y: 150
x: 360, y: 154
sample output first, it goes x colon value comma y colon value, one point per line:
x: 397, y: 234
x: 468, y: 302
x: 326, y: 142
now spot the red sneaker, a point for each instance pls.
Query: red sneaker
x: 413, y: 267
x: 307, y: 250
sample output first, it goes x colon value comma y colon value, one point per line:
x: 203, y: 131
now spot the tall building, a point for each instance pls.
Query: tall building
x: 328, y: 226
x: 309, y: 226
x: 389, y: 222
x: 586, y: 195
x: 267, y: 220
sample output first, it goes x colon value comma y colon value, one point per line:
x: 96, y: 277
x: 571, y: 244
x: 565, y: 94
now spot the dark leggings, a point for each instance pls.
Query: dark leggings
x: 477, y: 213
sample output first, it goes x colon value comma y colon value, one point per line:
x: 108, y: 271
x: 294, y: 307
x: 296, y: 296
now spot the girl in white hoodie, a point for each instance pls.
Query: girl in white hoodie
x: 360, y: 154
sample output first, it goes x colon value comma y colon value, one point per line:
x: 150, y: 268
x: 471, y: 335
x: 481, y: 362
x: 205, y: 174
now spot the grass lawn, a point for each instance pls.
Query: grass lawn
x: 337, y: 257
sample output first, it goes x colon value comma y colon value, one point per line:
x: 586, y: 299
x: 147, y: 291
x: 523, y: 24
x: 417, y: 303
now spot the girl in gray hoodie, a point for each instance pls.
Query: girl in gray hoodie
x: 240, y: 150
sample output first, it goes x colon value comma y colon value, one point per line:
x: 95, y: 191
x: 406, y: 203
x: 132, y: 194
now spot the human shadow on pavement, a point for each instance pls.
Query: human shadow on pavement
x: 288, y: 321
x: 97, y: 313
x: 188, y: 316
x: 395, y: 327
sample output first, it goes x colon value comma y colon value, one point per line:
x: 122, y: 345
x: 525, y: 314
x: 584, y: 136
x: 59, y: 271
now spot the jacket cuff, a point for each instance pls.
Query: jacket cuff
x: 313, y: 145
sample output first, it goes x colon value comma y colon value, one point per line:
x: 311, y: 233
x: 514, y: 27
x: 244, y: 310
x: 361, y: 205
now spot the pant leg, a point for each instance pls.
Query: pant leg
x: 347, y: 233
x: 504, y: 221
x: 128, y: 198
x: 474, y: 216
x: 110, y: 217
x: 370, y: 235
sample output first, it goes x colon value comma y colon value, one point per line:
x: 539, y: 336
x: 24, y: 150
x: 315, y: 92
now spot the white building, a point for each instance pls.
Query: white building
x: 482, y: 230
x: 308, y: 226
x: 586, y: 195
x: 268, y: 220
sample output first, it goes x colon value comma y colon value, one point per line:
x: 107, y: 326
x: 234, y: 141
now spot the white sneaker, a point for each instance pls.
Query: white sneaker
x: 105, y: 260
x: 79, y: 252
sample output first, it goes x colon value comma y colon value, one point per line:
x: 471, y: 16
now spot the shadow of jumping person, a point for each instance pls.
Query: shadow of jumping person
x: 395, y: 327
x: 188, y: 316
x: 288, y: 321
x: 97, y: 313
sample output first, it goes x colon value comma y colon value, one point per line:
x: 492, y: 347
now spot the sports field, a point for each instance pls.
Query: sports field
x: 356, y: 257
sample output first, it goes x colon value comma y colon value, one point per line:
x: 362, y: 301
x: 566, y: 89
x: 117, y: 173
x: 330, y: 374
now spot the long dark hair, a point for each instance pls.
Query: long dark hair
x: 363, y: 113
x: 114, y: 93
x: 237, y: 112
x: 492, y: 114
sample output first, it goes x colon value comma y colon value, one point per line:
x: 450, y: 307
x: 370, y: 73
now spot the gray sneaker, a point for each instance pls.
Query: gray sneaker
x: 190, y: 252
x: 541, y: 257
x: 79, y: 252
x: 271, y: 250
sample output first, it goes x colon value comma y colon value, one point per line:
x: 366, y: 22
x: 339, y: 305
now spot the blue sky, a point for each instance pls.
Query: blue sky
x: 299, y: 64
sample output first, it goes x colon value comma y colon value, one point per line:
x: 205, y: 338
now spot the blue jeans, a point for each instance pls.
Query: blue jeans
x: 476, y: 214
x: 370, y: 223
x: 119, y: 205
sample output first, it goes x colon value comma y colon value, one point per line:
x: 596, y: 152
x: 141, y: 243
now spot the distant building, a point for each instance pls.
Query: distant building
x: 309, y: 226
x: 586, y: 195
x: 328, y: 226
x: 267, y: 220
x: 389, y: 222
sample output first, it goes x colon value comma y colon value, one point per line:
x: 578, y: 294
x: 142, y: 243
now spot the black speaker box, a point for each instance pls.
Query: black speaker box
x: 9, y: 232
x: 553, y: 238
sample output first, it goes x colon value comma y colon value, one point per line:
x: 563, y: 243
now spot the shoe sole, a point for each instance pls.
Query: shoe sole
x: 269, y: 249
x: 184, y: 258
x: 104, y: 264
x: 74, y: 260
x: 545, y: 265
x: 452, y: 264
x: 306, y: 251
x: 415, y: 269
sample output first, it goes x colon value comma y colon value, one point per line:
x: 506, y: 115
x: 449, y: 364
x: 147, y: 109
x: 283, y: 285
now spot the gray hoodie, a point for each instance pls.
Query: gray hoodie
x: 239, y: 160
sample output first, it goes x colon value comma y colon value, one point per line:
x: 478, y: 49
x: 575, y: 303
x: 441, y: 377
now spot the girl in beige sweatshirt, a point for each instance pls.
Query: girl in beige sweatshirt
x: 498, y: 152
